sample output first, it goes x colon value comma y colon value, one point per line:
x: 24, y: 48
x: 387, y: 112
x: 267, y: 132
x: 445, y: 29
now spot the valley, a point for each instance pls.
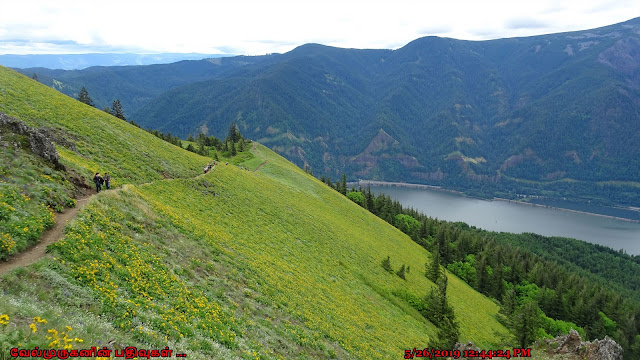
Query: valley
x: 489, y: 118
x: 272, y: 253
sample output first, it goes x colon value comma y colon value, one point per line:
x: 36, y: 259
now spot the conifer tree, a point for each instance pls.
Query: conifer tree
x: 116, y: 109
x: 35, y: 77
x: 215, y: 156
x: 433, y: 271
x: 526, y: 320
x: 386, y: 264
x: 234, y: 133
x: 343, y: 184
x: 441, y: 314
x: 84, y: 97
x: 233, y: 149
x: 401, y: 272
x: 448, y: 333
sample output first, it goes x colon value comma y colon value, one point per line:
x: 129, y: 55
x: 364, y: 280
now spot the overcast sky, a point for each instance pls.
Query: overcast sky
x: 259, y: 27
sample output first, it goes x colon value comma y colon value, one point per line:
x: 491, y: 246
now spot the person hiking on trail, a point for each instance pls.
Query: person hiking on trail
x: 98, y: 181
x: 107, y: 181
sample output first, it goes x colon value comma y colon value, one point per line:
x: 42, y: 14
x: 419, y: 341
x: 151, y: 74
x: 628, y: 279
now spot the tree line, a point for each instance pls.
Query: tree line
x: 541, y: 296
x: 232, y: 144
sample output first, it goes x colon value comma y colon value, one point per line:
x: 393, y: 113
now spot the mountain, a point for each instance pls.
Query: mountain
x: 262, y: 260
x: 81, y: 61
x: 269, y: 263
x: 545, y: 115
x: 135, y: 86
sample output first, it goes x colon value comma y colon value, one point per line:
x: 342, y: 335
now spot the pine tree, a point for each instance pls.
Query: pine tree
x: 35, y: 77
x: 116, y: 109
x: 233, y: 149
x: 84, y: 97
x: 441, y: 314
x: 525, y: 321
x: 448, y: 333
x: 371, y: 204
x: 386, y: 264
x: 433, y: 271
x: 215, y: 156
x: 401, y: 272
x: 234, y: 133
x: 343, y: 184
x: 241, y: 145
x: 481, y: 270
x: 202, y: 150
x: 509, y: 303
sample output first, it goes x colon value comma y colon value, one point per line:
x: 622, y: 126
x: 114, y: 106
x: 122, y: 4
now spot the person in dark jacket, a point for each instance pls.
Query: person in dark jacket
x: 107, y: 181
x: 98, y: 180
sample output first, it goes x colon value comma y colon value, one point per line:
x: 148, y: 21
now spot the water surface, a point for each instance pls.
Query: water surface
x: 519, y: 218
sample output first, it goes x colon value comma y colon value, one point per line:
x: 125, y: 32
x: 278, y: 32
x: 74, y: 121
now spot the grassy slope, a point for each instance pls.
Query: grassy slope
x: 274, y: 265
x: 104, y: 143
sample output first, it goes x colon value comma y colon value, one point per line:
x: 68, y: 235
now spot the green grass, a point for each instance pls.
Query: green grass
x: 103, y: 142
x: 233, y: 264
x: 30, y: 191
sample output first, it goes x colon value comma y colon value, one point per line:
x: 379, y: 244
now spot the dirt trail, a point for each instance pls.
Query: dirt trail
x: 54, y: 234
x: 263, y: 163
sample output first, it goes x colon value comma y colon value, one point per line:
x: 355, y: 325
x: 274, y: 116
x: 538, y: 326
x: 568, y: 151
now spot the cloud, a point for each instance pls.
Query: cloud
x: 525, y: 23
x: 435, y: 30
x: 255, y: 27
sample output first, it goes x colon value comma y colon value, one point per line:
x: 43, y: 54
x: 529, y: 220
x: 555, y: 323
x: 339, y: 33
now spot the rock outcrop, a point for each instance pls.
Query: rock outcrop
x: 566, y: 347
x: 571, y: 346
x: 40, y: 141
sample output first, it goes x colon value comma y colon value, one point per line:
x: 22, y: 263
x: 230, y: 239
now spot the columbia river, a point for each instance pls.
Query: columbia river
x: 497, y: 215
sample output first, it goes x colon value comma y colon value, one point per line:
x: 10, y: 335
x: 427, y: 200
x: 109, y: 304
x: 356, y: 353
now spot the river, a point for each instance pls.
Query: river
x: 514, y: 217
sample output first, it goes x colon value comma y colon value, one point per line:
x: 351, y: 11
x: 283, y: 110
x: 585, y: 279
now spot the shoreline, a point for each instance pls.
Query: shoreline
x: 569, y: 210
x: 439, y: 188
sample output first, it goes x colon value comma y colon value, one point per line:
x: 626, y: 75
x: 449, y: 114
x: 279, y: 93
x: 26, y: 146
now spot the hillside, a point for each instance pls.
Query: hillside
x: 545, y: 115
x: 232, y: 264
x: 135, y: 86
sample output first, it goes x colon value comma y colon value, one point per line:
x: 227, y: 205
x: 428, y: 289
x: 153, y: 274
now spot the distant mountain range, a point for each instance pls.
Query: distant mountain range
x: 82, y: 61
x: 551, y: 115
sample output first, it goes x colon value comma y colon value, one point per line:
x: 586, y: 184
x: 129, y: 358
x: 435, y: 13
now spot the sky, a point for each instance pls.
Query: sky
x: 243, y: 27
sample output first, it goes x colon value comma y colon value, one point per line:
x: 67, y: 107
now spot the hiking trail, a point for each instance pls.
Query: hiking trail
x: 263, y: 163
x: 50, y: 236
x: 38, y: 251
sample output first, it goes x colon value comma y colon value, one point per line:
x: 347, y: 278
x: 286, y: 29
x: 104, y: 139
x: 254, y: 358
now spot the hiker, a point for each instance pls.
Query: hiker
x: 98, y: 181
x: 107, y: 181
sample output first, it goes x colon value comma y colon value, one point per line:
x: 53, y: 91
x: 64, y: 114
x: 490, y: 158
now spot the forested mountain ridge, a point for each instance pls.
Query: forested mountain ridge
x: 522, y: 114
x: 136, y: 85
x: 83, y: 61
x: 550, y: 115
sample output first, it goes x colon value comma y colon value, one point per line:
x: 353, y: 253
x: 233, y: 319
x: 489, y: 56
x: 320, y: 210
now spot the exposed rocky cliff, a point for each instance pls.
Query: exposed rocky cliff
x: 571, y: 346
x: 39, y: 140
x: 565, y: 347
